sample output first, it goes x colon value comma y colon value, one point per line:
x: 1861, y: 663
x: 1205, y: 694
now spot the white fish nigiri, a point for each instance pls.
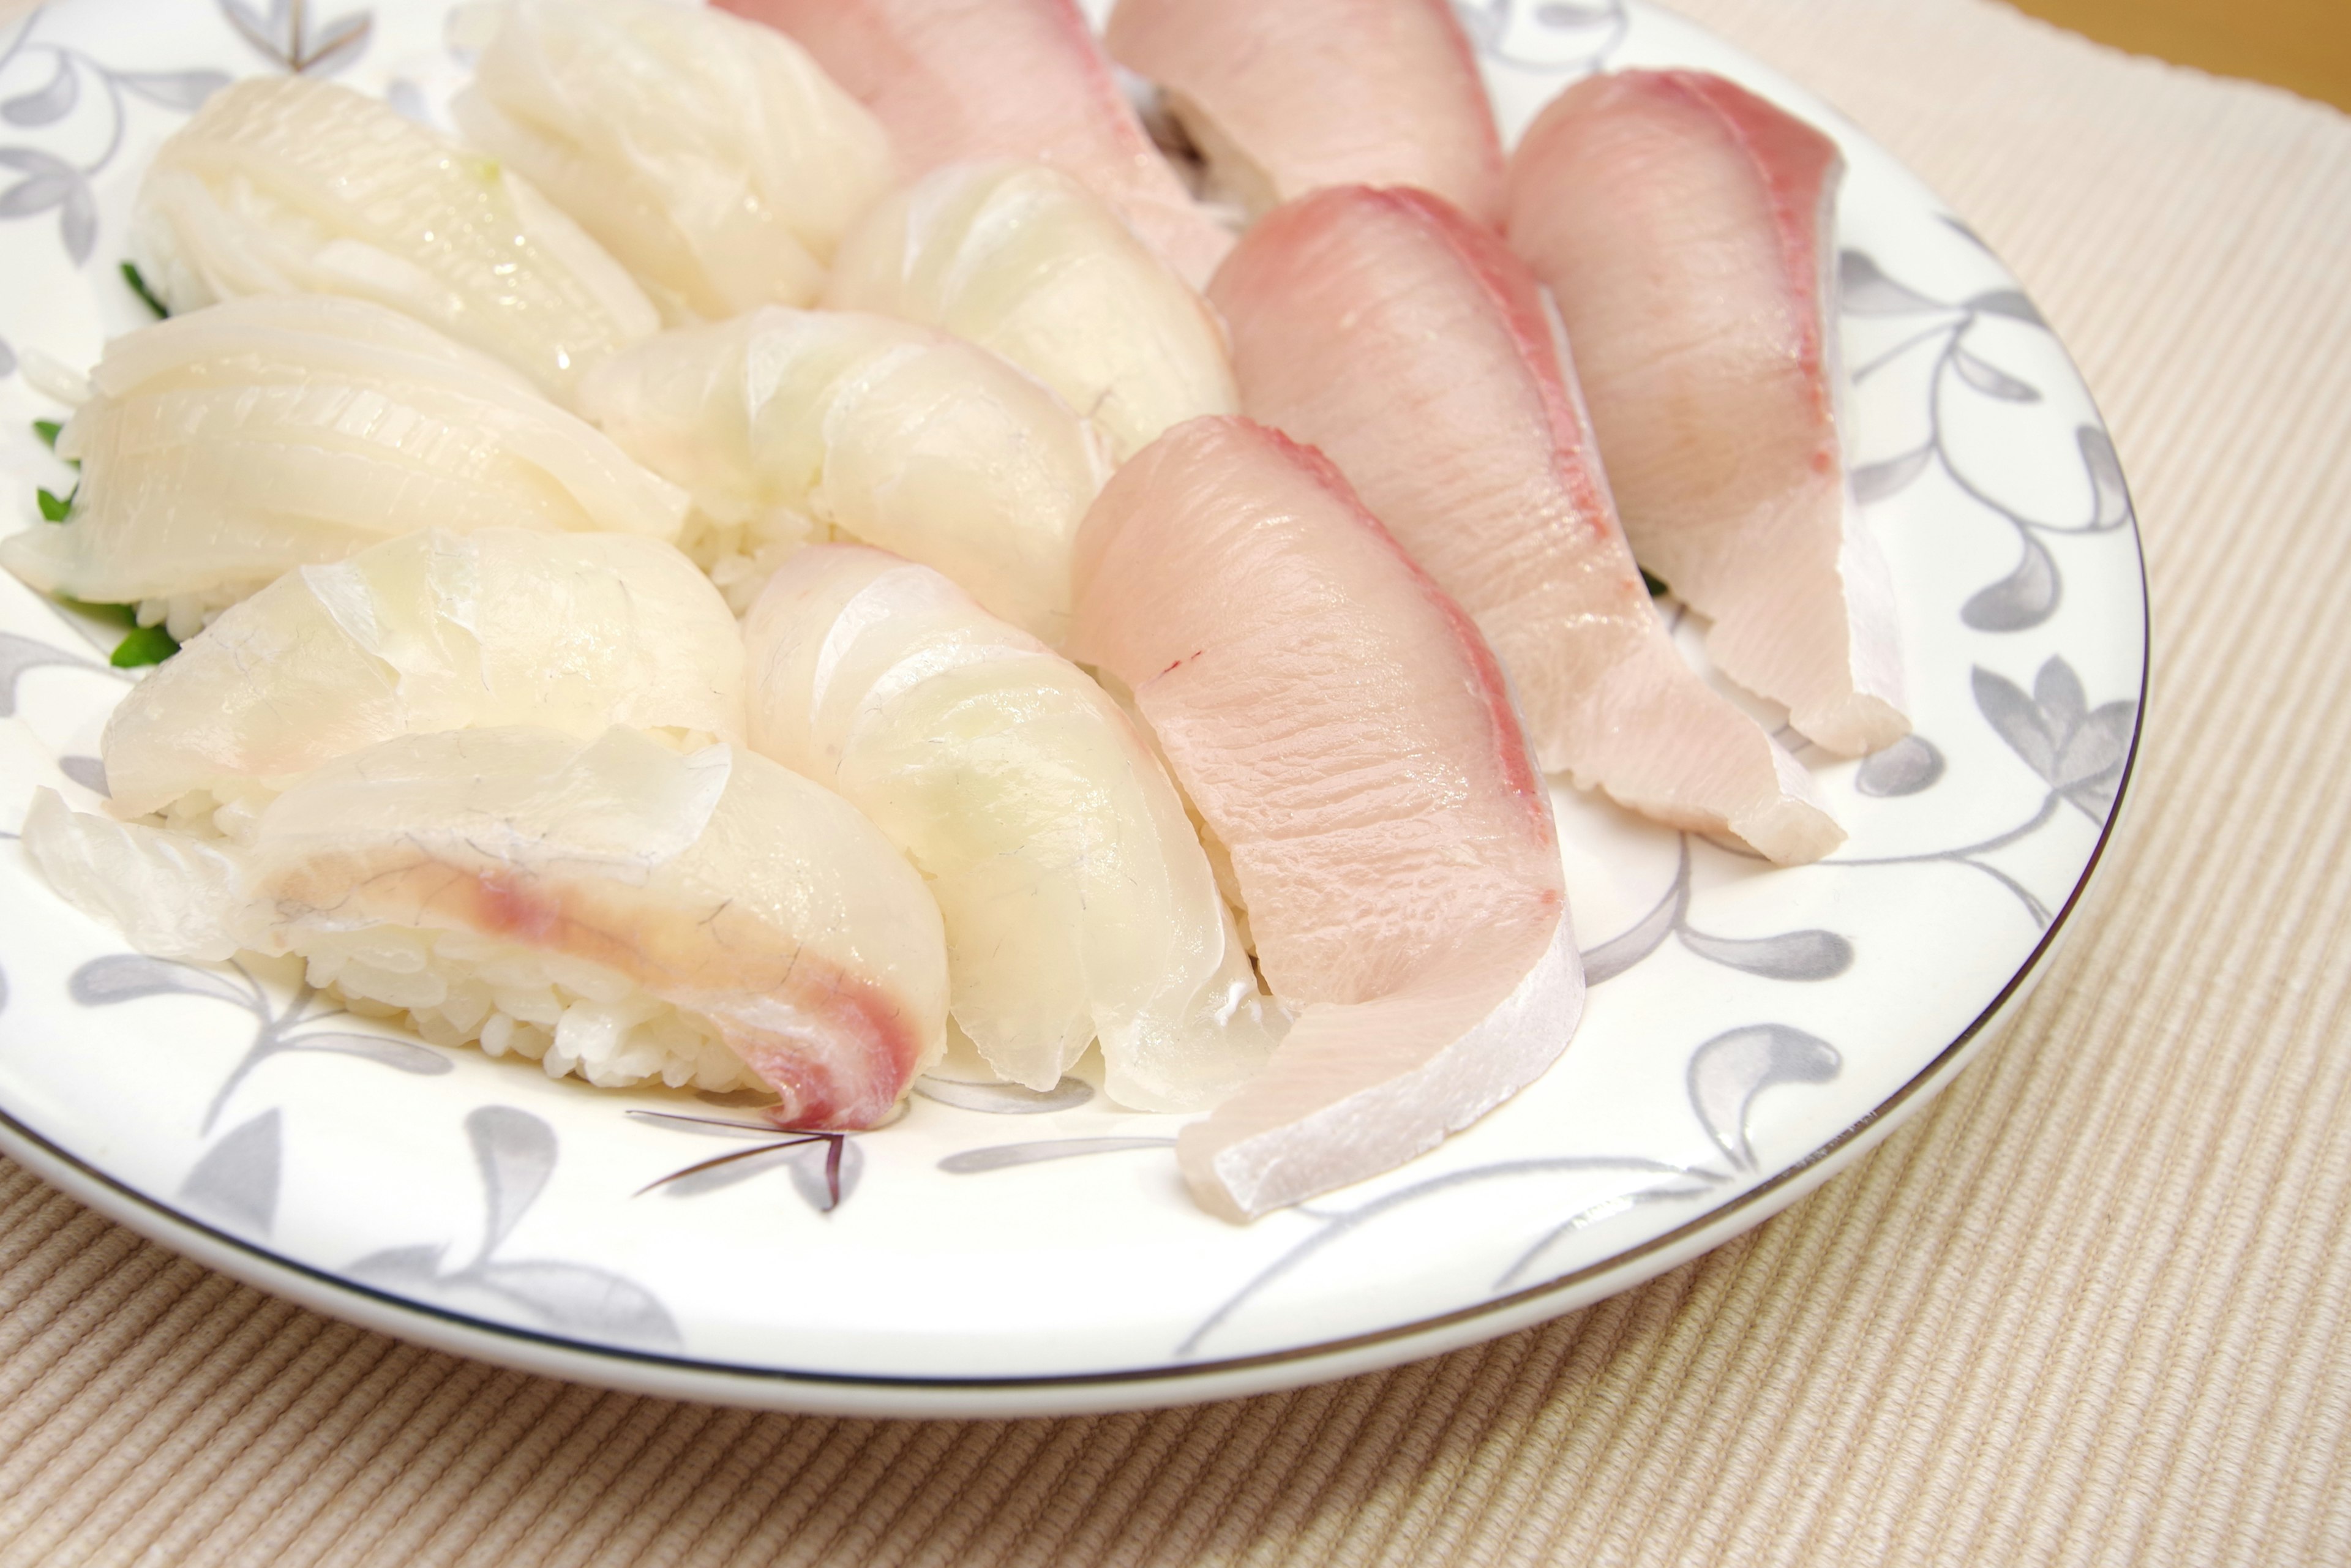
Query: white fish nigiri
x: 221, y: 448
x: 606, y: 907
x: 1283, y: 100
x: 1023, y: 260
x: 1686, y: 228
x: 1412, y: 348
x: 1342, y: 727
x: 286, y: 185
x: 954, y: 80
x: 785, y: 423
x: 709, y: 156
x: 431, y: 631
x: 1076, y: 899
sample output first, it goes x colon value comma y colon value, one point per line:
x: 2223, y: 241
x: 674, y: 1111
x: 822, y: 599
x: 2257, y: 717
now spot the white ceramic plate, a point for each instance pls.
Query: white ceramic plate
x: 999, y: 1252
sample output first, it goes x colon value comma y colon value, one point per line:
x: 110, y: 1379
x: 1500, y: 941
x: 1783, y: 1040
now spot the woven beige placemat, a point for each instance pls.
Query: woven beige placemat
x: 2089, y: 1308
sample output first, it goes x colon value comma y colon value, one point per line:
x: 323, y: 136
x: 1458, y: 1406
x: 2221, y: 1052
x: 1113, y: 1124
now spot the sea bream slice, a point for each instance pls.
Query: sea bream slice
x: 1346, y: 734
x: 1686, y: 228
x: 1025, y: 261
x: 959, y: 81
x: 1282, y: 99
x: 719, y: 894
x: 1078, y: 902
x: 1409, y: 345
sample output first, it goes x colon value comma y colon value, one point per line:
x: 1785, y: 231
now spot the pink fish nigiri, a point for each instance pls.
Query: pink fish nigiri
x: 1685, y: 227
x: 959, y: 80
x: 1347, y: 736
x: 1280, y: 99
x: 1418, y: 352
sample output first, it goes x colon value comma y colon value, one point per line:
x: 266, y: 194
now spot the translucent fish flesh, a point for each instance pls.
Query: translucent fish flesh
x: 792, y: 421
x: 1412, y: 348
x: 1021, y: 259
x: 223, y: 447
x: 1686, y: 228
x: 710, y: 156
x: 719, y: 894
x: 1077, y: 901
x: 286, y: 185
x: 1343, y: 730
x: 431, y: 631
x: 959, y: 81
x: 1282, y: 99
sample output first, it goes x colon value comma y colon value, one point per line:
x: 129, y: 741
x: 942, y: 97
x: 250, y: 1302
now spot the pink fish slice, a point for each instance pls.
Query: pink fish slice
x: 1685, y: 227
x: 1411, y: 347
x: 1282, y: 99
x: 1346, y: 735
x: 965, y: 80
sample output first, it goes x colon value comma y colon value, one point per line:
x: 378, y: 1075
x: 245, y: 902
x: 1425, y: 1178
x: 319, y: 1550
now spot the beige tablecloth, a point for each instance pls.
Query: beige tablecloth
x: 2089, y: 1307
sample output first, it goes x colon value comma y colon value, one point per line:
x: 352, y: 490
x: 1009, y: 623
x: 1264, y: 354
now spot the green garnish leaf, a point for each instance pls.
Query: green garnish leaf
x: 1653, y: 583
x: 121, y: 614
x: 55, y: 508
x: 46, y: 429
x: 145, y: 645
x: 139, y: 287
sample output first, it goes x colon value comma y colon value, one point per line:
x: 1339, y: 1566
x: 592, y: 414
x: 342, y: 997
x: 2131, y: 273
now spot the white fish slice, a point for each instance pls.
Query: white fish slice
x: 894, y: 433
x: 1283, y: 100
x: 721, y: 884
x: 285, y: 186
x: 956, y: 81
x: 1077, y: 901
x: 1342, y: 727
x: 223, y: 447
x: 431, y: 631
x: 1686, y: 228
x: 1023, y: 260
x: 709, y: 155
x: 1420, y: 355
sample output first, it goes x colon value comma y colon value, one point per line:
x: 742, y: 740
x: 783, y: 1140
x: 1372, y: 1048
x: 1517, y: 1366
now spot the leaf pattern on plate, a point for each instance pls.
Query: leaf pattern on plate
x: 1729, y: 1071
x: 237, y: 1180
x: 1572, y: 36
x: 1910, y: 765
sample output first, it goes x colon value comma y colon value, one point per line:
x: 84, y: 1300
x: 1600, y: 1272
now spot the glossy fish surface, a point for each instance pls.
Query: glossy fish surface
x: 959, y: 80
x: 1283, y: 100
x: 1686, y: 227
x: 1416, y: 352
x: 1343, y: 730
x: 1077, y: 903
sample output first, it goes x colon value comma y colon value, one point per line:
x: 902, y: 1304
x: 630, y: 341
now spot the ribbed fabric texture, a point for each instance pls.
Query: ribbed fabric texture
x: 2089, y: 1308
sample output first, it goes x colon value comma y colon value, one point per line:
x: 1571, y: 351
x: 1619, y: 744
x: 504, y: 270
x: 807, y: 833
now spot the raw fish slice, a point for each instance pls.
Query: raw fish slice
x: 1686, y: 228
x: 428, y: 632
x: 1343, y: 730
x: 710, y: 156
x: 722, y: 885
x: 1282, y: 99
x: 1419, y: 355
x: 1077, y: 901
x: 956, y: 81
x: 286, y: 185
x: 223, y: 447
x: 786, y: 421
x: 1021, y: 260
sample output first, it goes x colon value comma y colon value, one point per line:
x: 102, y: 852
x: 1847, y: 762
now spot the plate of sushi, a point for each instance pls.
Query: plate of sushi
x: 1011, y: 708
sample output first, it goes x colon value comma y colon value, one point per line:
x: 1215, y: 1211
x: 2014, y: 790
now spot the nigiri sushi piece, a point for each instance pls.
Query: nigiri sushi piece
x: 1686, y: 228
x: 288, y: 185
x: 606, y: 907
x: 959, y: 81
x: 430, y: 630
x: 710, y: 156
x: 1346, y: 734
x: 1022, y: 260
x: 221, y: 448
x: 1283, y: 100
x: 1078, y: 903
x: 786, y: 423
x: 1409, y: 345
